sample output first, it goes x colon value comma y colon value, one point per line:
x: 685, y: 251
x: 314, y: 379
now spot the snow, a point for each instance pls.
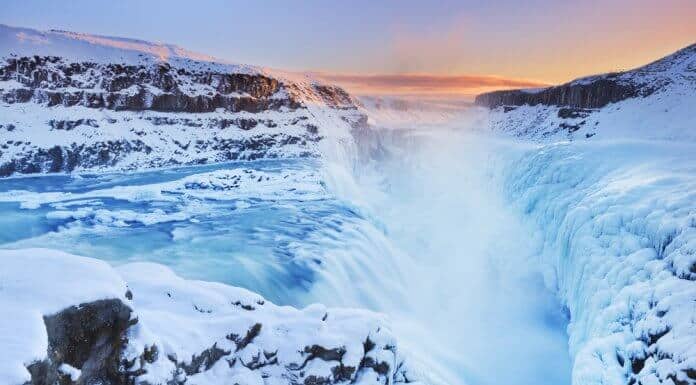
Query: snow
x: 607, y: 217
x: 105, y: 49
x: 182, y: 318
x: 676, y: 68
x: 70, y: 371
x: 236, y: 183
x: 37, y: 282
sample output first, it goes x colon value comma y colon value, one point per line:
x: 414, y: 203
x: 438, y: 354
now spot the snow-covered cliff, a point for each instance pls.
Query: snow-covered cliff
x: 76, y: 102
x: 72, y: 101
x: 654, y: 101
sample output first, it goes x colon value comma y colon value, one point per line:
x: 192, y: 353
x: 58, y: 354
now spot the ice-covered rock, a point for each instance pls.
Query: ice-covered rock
x: 617, y: 223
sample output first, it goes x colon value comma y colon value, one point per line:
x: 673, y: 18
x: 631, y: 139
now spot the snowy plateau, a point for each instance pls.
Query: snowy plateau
x: 169, y: 218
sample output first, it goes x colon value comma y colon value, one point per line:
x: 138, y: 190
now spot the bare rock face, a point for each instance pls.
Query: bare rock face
x: 89, y: 337
x: 111, y: 153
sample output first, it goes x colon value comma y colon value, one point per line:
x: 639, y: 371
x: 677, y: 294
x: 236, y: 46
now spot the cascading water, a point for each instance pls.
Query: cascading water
x: 444, y: 255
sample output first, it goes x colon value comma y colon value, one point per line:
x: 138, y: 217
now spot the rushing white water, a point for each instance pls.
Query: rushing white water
x: 449, y: 262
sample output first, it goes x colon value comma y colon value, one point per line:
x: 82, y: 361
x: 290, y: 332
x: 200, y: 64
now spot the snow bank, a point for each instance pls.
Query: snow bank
x: 103, y: 49
x: 192, y: 331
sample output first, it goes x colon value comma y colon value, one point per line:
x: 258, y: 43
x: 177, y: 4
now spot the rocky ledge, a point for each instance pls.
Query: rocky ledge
x: 141, y: 324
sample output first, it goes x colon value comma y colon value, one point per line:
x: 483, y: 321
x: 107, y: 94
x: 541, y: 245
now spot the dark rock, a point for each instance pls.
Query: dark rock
x: 241, y: 343
x: 317, y: 351
x: 596, y: 94
x: 67, y: 158
x: 89, y: 337
x: 637, y: 365
x: 316, y: 380
x: 569, y: 127
x: 335, y: 97
x: 573, y: 113
x: 204, y: 361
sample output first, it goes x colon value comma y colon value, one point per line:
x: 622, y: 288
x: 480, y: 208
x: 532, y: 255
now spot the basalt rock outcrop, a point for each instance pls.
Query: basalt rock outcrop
x: 595, y: 94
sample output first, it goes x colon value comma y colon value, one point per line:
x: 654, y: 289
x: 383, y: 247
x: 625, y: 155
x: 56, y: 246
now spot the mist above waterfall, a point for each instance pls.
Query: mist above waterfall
x: 448, y: 259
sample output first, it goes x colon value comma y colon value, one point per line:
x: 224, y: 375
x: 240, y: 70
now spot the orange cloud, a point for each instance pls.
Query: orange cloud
x: 423, y: 84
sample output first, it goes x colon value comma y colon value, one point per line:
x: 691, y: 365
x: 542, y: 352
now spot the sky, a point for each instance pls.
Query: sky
x: 394, y: 47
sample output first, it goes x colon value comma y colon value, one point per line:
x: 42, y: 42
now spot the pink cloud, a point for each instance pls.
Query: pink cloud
x: 426, y: 84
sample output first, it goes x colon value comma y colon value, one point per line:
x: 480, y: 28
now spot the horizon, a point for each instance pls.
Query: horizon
x: 447, y: 50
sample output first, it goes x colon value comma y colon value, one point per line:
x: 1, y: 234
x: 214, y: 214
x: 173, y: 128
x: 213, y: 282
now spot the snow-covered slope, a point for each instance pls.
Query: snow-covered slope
x: 72, y: 101
x: 142, y: 324
x: 654, y: 101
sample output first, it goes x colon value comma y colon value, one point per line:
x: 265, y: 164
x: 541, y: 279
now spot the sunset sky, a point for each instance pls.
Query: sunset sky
x: 395, y: 47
